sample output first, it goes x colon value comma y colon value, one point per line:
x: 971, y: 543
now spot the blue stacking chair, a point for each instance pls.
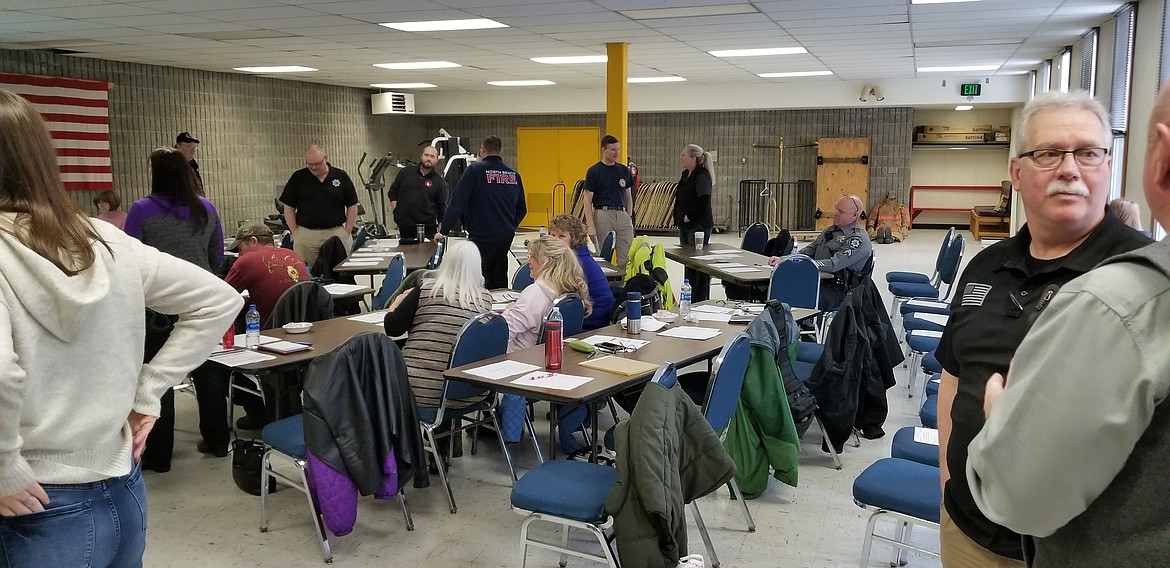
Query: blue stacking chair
x: 571, y: 494
x: 722, y: 398
x: 928, y: 414
x: 904, y: 447
x: 920, y: 342
x: 359, y: 239
x: 919, y: 320
x: 395, y: 274
x: 522, y: 278
x: 933, y: 384
x: 905, y: 491
x: 483, y: 336
x: 572, y: 314
x: 607, y: 247
x: 755, y: 238
x: 796, y: 281
x: 285, y: 440
x: 924, y: 306
x: 898, y: 276
x: 948, y: 273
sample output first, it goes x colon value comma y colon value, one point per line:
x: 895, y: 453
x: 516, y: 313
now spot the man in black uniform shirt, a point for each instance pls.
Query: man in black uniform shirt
x: 1062, y: 175
x: 418, y: 196
x: 189, y: 146
x: 320, y: 201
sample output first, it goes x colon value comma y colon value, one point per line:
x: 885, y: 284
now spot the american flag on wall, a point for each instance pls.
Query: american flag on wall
x: 76, y: 112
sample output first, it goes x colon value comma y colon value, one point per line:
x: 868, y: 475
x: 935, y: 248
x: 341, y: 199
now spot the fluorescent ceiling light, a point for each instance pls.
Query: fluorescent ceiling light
x: 445, y: 25
x: 956, y: 148
x: 689, y: 11
x: 758, y: 52
x: 671, y: 79
x: 524, y: 83
x: 418, y: 65
x: 403, y: 85
x: 276, y: 69
x: 958, y: 68
x: 570, y: 59
x: 940, y: 1
x: 964, y: 107
x: 795, y: 74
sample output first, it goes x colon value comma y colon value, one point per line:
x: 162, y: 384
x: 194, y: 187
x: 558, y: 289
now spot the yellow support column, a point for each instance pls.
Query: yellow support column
x: 617, y: 118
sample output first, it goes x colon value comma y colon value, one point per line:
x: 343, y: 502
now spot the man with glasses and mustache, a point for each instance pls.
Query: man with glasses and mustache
x: 320, y: 201
x: 1062, y: 174
x: 841, y: 250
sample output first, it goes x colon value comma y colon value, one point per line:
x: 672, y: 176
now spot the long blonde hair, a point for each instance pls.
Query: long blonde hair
x: 562, y: 271
x: 459, y: 279
x: 51, y: 224
x: 702, y: 158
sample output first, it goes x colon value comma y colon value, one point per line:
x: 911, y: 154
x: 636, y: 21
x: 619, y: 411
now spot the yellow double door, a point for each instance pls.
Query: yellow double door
x: 551, y: 161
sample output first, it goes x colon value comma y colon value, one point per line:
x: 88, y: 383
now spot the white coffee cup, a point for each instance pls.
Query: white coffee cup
x: 699, y: 240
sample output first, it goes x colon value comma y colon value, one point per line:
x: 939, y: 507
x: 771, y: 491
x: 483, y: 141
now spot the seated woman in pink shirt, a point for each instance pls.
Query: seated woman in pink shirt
x: 555, y: 271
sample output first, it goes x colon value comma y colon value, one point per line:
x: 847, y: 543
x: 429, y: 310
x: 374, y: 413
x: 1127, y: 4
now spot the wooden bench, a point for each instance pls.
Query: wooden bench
x: 986, y: 226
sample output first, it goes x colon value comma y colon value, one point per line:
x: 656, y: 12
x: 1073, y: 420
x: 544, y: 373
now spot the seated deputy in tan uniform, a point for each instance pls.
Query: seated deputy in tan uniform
x: 841, y: 250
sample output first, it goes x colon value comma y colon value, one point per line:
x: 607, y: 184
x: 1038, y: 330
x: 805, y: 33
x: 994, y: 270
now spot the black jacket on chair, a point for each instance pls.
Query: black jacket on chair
x: 359, y: 408
x: 331, y: 254
x: 303, y: 301
x: 857, y: 367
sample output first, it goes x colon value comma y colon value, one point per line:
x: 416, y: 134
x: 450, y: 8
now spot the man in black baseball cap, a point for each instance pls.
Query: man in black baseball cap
x: 189, y: 146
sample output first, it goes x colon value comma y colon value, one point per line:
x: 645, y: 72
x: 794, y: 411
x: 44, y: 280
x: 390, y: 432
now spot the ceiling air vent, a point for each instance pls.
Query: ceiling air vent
x: 392, y: 103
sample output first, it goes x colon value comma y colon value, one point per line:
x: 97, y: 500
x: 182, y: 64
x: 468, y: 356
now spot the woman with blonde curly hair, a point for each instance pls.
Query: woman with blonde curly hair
x: 571, y: 231
x: 555, y: 271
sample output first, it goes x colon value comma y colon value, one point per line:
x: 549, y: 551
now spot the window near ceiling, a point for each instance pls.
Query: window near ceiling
x: 1064, y: 70
x: 1122, y: 54
x: 1046, y: 76
x: 1089, y: 62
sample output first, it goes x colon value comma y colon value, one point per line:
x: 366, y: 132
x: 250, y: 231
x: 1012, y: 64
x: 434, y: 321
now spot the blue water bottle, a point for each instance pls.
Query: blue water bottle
x: 633, y: 313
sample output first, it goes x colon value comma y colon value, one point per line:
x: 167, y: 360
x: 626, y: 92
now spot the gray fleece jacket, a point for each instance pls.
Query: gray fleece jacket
x: 1076, y: 453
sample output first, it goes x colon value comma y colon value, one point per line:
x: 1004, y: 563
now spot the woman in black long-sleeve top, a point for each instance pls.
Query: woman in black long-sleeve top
x: 692, y: 209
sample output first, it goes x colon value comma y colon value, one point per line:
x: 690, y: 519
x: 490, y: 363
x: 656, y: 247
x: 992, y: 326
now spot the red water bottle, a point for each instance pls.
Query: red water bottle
x: 229, y: 338
x: 553, y: 340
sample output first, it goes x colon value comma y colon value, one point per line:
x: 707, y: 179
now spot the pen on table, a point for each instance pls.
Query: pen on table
x: 303, y: 343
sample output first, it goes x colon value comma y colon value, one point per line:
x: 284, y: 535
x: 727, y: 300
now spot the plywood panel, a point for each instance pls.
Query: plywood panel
x: 841, y: 173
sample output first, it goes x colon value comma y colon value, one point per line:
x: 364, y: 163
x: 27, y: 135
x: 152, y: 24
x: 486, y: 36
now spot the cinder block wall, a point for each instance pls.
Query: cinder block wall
x: 657, y: 139
x: 253, y: 131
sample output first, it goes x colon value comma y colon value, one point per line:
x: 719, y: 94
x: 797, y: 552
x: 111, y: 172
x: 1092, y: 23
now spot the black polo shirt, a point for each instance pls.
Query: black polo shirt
x: 608, y: 184
x: 422, y: 199
x: 319, y: 204
x: 1000, y: 295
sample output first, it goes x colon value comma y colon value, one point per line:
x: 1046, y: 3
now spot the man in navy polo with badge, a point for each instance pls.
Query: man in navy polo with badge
x: 490, y: 199
x: 418, y: 196
x: 609, y: 199
x: 1062, y: 173
x: 840, y: 250
x: 320, y: 201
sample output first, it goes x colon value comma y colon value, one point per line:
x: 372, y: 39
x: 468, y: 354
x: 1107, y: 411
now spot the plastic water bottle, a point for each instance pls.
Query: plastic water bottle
x: 252, y: 321
x: 684, y: 299
x: 543, y: 231
x: 553, y: 340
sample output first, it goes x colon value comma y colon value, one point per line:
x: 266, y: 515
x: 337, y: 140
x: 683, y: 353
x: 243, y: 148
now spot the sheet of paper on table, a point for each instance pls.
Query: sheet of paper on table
x: 499, y: 307
x: 627, y: 342
x: 727, y: 265
x: 336, y: 288
x: 500, y: 296
x: 237, y: 357
x: 708, y: 308
x: 359, y: 263
x: 502, y: 369
x: 707, y: 316
x: 555, y: 381
x: 377, y: 317
x: 926, y: 436
x: 383, y: 243
x: 648, y: 323
x: 715, y: 257
x: 746, y: 269
x: 691, y: 332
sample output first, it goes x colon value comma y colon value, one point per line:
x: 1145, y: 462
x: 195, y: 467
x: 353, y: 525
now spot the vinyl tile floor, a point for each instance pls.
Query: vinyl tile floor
x: 197, y: 516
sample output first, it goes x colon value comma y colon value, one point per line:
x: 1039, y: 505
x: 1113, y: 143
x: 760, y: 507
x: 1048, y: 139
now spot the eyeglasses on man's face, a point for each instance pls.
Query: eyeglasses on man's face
x: 316, y: 164
x: 1053, y: 157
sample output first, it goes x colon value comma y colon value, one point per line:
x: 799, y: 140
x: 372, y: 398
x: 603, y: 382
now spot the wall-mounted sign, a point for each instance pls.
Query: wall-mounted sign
x: 970, y: 89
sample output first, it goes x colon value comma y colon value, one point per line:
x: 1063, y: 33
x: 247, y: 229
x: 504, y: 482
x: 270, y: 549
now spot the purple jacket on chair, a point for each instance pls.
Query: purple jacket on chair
x: 336, y: 494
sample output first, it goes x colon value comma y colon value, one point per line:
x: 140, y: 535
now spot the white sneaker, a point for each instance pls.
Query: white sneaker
x: 691, y: 561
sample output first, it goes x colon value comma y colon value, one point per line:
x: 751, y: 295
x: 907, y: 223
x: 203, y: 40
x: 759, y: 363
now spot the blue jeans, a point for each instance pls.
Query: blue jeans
x: 700, y: 281
x: 99, y: 524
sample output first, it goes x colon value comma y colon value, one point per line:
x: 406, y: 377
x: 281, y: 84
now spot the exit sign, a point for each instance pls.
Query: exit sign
x: 971, y: 89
